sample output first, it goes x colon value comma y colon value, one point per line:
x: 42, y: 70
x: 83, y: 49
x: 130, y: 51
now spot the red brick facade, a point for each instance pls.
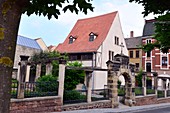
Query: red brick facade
x: 156, y: 59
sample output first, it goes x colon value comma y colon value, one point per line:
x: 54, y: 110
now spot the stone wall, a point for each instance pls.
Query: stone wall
x: 25, y: 51
x: 146, y: 100
x: 92, y: 105
x: 37, y: 104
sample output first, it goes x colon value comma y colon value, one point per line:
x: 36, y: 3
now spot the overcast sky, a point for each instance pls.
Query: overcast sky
x: 55, y: 31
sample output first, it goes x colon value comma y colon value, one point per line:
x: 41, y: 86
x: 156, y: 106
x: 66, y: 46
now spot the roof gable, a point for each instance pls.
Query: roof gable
x: 99, y: 25
x: 149, y: 28
x: 27, y: 42
x: 134, y: 42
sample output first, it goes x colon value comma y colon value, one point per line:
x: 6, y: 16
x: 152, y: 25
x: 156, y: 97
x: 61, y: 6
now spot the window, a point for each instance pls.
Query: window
x: 164, y: 61
x: 111, y: 55
x: 71, y: 39
x: 148, y: 41
x: 116, y: 40
x: 148, y: 67
x: 87, y: 57
x: 137, y: 54
x: 137, y: 66
x: 131, y: 54
x: 92, y: 36
x: 148, y: 54
x: 73, y: 57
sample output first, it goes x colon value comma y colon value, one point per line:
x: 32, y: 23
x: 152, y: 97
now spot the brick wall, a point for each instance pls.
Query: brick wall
x: 163, y: 100
x: 150, y: 99
x: 92, y: 105
x: 34, y: 105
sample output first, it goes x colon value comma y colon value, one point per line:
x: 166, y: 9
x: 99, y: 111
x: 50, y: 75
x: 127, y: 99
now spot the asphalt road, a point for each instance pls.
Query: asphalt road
x: 159, y: 110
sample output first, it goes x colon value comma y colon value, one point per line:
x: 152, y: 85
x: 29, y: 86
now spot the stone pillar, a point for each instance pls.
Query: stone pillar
x: 18, y: 73
x: 144, y: 83
x: 112, y: 85
x: 166, y: 88
x: 155, y: 82
x: 89, y: 86
x: 128, y: 96
x: 49, y: 68
x: 27, y: 73
x: 38, y: 71
x: 62, y: 65
x: 21, y: 83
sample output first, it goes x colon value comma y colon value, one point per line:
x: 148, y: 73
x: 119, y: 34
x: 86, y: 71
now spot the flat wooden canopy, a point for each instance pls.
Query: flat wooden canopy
x: 88, y: 69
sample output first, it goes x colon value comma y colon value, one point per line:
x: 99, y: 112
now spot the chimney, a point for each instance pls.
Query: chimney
x: 131, y: 34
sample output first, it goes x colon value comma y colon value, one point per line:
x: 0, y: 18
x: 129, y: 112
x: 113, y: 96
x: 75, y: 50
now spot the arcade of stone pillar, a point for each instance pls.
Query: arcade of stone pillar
x: 27, y: 69
x: 24, y: 74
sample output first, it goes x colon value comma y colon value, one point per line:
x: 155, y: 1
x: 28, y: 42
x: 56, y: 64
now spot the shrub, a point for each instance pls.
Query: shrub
x: 47, y: 83
x: 14, y: 83
x: 73, y: 95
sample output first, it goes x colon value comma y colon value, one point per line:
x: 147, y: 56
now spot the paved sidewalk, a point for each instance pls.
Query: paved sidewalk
x: 121, y: 109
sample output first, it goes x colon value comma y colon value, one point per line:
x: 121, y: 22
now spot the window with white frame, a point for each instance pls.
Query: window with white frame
x: 71, y: 39
x: 116, y: 40
x: 92, y: 36
x: 148, y: 41
x: 111, y: 55
x: 148, y: 67
x: 164, y: 61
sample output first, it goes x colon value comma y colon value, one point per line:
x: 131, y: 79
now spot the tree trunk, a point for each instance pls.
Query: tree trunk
x: 10, y: 14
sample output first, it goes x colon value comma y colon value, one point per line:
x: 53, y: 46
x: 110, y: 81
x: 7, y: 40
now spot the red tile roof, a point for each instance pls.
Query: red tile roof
x: 99, y: 25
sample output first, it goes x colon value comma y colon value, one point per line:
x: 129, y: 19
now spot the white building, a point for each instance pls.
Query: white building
x: 93, y: 41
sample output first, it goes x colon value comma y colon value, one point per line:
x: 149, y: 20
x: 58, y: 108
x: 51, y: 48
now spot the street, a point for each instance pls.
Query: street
x: 155, y: 110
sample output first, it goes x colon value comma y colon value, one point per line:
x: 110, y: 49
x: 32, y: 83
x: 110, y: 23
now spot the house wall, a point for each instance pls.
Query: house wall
x: 100, y: 78
x: 156, y: 62
x: 25, y: 51
x: 109, y: 42
x: 42, y: 44
x: 134, y: 59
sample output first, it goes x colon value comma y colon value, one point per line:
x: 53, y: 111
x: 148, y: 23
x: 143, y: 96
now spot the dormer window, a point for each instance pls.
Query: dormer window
x: 92, y: 36
x: 71, y: 39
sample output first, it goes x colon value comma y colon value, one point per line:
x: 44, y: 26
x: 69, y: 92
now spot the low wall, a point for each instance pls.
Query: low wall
x: 37, y: 104
x: 146, y: 100
x: 92, y: 105
x: 164, y: 100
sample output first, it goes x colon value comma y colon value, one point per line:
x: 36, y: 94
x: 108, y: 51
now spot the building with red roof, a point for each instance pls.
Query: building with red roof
x: 93, y: 41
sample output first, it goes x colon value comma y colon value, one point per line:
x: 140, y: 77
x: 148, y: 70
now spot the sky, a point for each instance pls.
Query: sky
x: 54, y: 31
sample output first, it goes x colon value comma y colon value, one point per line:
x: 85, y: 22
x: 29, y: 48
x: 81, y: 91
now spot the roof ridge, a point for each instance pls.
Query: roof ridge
x: 106, y: 14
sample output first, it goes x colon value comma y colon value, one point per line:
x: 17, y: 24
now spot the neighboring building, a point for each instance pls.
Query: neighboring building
x: 155, y: 61
x: 135, y: 53
x: 93, y: 41
x: 25, y: 47
x: 42, y: 44
x: 51, y: 48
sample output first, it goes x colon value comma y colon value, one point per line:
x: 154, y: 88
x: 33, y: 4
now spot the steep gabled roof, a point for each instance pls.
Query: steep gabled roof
x: 27, y: 42
x: 149, y: 28
x: 133, y: 42
x: 99, y: 25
